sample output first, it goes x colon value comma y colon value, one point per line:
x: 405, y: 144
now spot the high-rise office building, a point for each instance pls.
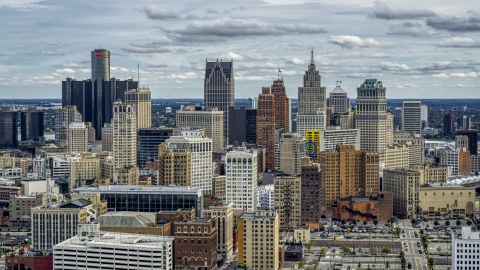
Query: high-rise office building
x: 397, y: 118
x: 107, y: 137
x: 63, y: 117
x: 223, y: 213
x: 219, y: 89
x: 8, y: 129
x: 148, y: 140
x: 371, y: 116
x: 458, y: 161
x: 259, y: 251
x: 424, y: 112
x: 142, y: 97
x: 241, y: 170
x: 288, y: 195
x: 464, y: 123
x: 125, y: 143
x: 282, y: 109
x: 348, y: 172
x: 292, y: 150
x: 253, y: 103
x: 211, y: 120
x: 266, y: 126
x: 114, y: 90
x: 448, y: 124
x: 186, y: 161
x: 77, y: 139
x: 412, y: 116
x: 32, y: 123
x: 237, y: 124
x: 339, y: 100
x: 100, y: 74
x: 251, y: 126
x: 311, y: 183
x: 79, y: 94
x: 311, y: 102
x: 472, y: 135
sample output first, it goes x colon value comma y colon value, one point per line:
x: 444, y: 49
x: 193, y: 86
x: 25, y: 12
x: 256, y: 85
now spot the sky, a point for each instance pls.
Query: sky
x: 419, y: 49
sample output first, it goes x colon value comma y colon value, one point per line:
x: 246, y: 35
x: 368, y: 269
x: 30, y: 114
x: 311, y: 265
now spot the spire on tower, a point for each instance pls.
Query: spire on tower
x: 311, y: 59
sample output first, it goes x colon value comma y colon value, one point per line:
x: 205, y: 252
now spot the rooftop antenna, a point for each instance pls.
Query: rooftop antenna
x: 339, y: 83
x: 311, y: 59
x: 279, y: 70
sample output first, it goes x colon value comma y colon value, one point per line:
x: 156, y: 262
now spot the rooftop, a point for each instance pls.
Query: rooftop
x: 126, y: 219
x: 138, y: 189
x: 128, y: 240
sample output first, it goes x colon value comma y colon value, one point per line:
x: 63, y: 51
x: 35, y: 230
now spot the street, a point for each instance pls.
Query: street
x: 417, y: 260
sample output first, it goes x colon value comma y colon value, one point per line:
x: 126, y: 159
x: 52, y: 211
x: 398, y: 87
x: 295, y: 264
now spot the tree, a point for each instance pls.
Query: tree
x: 347, y: 232
x: 439, y: 249
x: 392, y: 220
x: 397, y: 232
x: 359, y: 265
x: 344, y: 221
x: 323, y: 250
x: 447, y: 223
x: 386, y: 250
x: 413, y: 221
x: 346, y: 249
x: 309, y: 245
x: 364, y: 222
x: 387, y: 264
x: 430, y: 262
x: 375, y: 222
x: 469, y: 222
x: 354, y: 222
x: 436, y: 223
x: 459, y: 222
x: 403, y: 262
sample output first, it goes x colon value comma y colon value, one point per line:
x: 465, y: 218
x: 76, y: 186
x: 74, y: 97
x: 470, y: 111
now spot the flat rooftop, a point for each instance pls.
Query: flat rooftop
x: 128, y: 240
x: 138, y: 189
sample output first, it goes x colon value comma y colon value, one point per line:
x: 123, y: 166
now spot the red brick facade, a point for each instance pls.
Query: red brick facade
x: 370, y: 208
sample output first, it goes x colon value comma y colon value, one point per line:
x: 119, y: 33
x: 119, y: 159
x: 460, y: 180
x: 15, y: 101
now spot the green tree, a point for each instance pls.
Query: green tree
x: 439, y: 249
x: 344, y: 221
x: 345, y: 249
x: 387, y: 265
x: 469, y: 222
x: 309, y: 245
x: 392, y: 220
x: 354, y: 222
x: 364, y: 222
x: 447, y: 223
x: 430, y: 262
x: 386, y: 250
x: 375, y: 222
x: 413, y: 221
x: 347, y: 233
x: 397, y: 232
x: 359, y: 265
x: 403, y: 263
x: 436, y: 223
x: 323, y: 250
x: 459, y: 222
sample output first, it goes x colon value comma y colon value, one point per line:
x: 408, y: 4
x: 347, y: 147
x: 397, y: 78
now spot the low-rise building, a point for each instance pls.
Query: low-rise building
x: 464, y: 250
x: 301, y: 234
x: 92, y: 250
x: 447, y: 200
x: 31, y: 260
x: 265, y: 197
x: 20, y: 208
x: 134, y: 222
x: 378, y: 207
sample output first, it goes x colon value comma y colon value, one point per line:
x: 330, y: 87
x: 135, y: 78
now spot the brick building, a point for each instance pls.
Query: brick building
x: 266, y: 126
x: 378, y: 207
x: 30, y: 262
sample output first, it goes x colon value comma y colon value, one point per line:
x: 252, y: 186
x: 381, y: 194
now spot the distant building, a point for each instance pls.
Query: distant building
x: 63, y: 117
x: 78, y: 94
x: 339, y: 100
x: 114, y: 250
x: 281, y: 104
x: 142, y: 97
x: 310, y: 203
x: 458, y: 160
x: 311, y: 97
x: 33, y: 126
x: 472, y: 135
x: 424, y: 115
x: 237, y: 125
x: 412, y: 116
x: 265, y: 197
x: 448, y: 124
x: 464, y: 123
x: 8, y: 129
x: 292, y: 150
x: 219, y: 90
x: 397, y: 118
x: 266, y: 126
x: 77, y: 137
x: 288, y: 194
x: 251, y: 125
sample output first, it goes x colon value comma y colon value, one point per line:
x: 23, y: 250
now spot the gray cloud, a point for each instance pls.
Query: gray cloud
x: 162, y: 65
x: 224, y: 28
x: 471, y: 22
x: 444, y: 65
x: 388, y: 11
x: 352, y: 42
x: 156, y: 13
x: 43, y: 23
x: 413, y: 29
x: 56, y: 43
x: 50, y: 53
x: 218, y: 11
x: 147, y: 48
x: 69, y: 65
x: 459, y: 42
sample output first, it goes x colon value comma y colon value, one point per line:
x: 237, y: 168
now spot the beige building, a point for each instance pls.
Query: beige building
x: 432, y: 174
x: 258, y: 240
x: 242, y: 178
x: 6, y: 161
x: 397, y: 157
x: 211, y: 120
x: 333, y: 136
x: 107, y: 137
x: 301, y: 234
x: 405, y: 185
x: 63, y: 117
x: 77, y: 138
x: 287, y: 200
x: 347, y: 121
x: 86, y: 167
x: 348, y: 172
x: 415, y: 144
x: 47, y: 230
x: 311, y: 97
x: 20, y: 208
x: 219, y: 187
x: 446, y: 200
x: 461, y: 141
x: 98, y: 205
x: 142, y: 97
x: 186, y: 161
x: 125, y: 143
x: 292, y: 150
x: 223, y: 213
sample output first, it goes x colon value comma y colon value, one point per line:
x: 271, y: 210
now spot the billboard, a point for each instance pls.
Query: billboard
x: 312, y: 145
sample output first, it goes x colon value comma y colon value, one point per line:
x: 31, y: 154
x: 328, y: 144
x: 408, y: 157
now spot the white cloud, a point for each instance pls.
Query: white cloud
x: 459, y: 42
x: 232, y: 55
x: 352, y: 42
x: 394, y: 66
x: 296, y: 61
x: 465, y: 75
x: 440, y: 75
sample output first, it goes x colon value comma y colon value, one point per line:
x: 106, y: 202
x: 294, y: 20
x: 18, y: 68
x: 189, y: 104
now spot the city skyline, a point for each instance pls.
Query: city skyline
x: 415, y: 50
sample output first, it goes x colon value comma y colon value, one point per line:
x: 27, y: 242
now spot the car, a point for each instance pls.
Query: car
x: 313, y: 237
x: 420, y: 251
x: 409, y: 265
x: 316, y: 254
x: 418, y: 244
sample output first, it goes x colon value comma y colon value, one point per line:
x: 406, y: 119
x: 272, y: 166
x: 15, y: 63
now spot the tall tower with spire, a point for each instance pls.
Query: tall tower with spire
x: 311, y: 101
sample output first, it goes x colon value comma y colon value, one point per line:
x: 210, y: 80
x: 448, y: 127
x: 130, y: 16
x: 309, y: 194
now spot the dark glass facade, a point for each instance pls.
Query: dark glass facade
x: 78, y: 93
x: 152, y: 202
x: 100, y: 74
x: 251, y: 126
x: 237, y: 124
x: 448, y: 124
x: 8, y: 129
x: 114, y: 90
x: 32, y: 124
x: 148, y: 141
x: 472, y: 135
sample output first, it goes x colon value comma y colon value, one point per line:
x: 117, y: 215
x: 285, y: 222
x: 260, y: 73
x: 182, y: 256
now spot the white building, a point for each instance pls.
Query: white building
x: 92, y: 250
x: 331, y: 137
x: 266, y: 197
x: 242, y: 177
x: 77, y: 138
x: 465, y: 250
x: 412, y: 116
x: 311, y: 122
x: 424, y: 114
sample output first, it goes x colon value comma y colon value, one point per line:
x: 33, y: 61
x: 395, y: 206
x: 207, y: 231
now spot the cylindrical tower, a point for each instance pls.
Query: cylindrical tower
x: 100, y: 73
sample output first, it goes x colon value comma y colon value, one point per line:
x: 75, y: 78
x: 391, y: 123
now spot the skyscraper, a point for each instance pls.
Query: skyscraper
x: 8, y: 128
x: 241, y: 190
x: 142, y: 97
x: 397, y: 118
x: 251, y: 122
x: 114, y: 90
x: 79, y: 94
x: 237, y: 124
x: 100, y: 74
x: 63, y: 117
x: 125, y: 143
x: 339, y: 100
x: 448, y: 124
x: 463, y: 123
x: 472, y: 135
x: 32, y: 123
x: 219, y: 88
x: 412, y: 116
x: 425, y: 112
x: 311, y: 102
x: 266, y: 126
x: 371, y: 116
x: 282, y: 117
x: 77, y: 137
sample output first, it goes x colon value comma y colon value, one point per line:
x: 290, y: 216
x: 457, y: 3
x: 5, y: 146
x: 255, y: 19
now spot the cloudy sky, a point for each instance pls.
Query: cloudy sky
x: 419, y: 49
